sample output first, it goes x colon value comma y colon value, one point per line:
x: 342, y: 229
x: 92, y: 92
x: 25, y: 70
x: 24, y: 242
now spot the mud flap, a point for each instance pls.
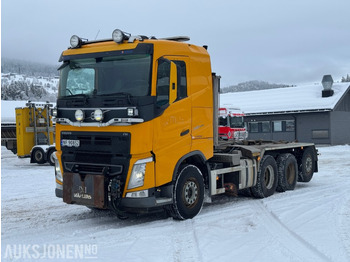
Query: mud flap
x: 87, y: 190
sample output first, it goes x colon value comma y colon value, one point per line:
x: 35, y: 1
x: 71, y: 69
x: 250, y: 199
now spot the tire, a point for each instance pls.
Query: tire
x: 188, y: 194
x: 287, y: 172
x: 267, y: 178
x: 307, y: 167
x: 49, y: 157
x: 38, y: 156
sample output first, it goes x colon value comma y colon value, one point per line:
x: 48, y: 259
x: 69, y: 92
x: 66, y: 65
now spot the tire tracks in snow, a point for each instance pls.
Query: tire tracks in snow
x: 290, y: 240
x: 343, y: 227
x: 185, y: 242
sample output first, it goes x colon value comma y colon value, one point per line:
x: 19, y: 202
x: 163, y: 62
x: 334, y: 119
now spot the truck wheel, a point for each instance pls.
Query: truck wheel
x: 267, y: 178
x: 38, y: 155
x: 307, y: 167
x: 188, y: 194
x: 287, y: 172
x: 50, y: 157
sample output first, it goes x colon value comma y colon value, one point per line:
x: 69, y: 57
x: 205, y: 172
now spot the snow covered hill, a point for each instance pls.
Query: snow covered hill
x: 311, y: 223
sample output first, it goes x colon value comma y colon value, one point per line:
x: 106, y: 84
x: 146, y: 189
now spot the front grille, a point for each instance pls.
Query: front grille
x: 98, y: 153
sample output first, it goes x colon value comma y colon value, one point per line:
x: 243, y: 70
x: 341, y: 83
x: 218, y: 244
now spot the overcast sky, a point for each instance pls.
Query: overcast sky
x: 279, y: 41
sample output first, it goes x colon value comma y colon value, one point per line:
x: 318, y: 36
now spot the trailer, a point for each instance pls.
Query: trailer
x: 137, y: 131
x: 35, y: 133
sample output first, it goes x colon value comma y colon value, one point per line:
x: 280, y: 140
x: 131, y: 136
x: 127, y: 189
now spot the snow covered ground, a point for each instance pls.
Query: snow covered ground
x: 311, y: 223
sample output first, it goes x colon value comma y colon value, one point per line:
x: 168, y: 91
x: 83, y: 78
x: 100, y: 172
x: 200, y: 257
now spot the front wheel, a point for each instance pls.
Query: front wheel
x: 188, y: 194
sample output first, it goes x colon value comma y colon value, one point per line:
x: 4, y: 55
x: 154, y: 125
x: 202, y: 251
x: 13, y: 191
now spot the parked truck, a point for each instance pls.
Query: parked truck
x: 231, y: 124
x: 137, y: 131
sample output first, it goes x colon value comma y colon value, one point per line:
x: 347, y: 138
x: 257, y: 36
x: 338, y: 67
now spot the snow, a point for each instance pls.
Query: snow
x: 298, y: 98
x: 311, y: 223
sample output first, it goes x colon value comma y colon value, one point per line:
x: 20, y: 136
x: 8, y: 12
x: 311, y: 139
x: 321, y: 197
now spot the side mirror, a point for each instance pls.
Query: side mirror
x: 173, y: 83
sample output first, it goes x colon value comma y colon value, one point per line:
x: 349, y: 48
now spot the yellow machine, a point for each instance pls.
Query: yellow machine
x: 35, y: 132
x: 137, y: 130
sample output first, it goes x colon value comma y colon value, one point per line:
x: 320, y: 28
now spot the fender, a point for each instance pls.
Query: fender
x: 197, y: 158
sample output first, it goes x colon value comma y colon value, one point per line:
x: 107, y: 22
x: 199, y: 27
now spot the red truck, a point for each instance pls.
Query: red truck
x: 231, y: 124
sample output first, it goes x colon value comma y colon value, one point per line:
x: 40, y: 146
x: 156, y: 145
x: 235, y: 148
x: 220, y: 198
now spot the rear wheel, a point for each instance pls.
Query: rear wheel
x: 188, y: 194
x: 287, y: 172
x: 267, y: 178
x: 307, y: 167
x: 38, y: 155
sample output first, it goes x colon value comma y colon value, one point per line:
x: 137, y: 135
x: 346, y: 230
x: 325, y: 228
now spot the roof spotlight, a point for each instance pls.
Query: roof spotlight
x: 75, y: 41
x: 118, y: 36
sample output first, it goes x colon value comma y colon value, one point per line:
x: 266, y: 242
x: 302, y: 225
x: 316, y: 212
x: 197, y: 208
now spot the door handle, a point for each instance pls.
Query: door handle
x: 185, y: 132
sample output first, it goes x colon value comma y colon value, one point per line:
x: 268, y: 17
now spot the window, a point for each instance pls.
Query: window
x: 320, y: 134
x: 222, y: 121
x: 182, y: 79
x: 265, y: 127
x: 105, y: 76
x: 254, y: 127
x: 163, y: 81
x: 277, y: 126
x: 290, y: 125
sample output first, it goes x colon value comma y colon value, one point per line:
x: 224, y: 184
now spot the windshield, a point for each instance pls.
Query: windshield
x: 126, y: 74
x: 236, y: 122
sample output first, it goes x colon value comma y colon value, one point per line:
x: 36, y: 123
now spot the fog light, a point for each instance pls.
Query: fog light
x: 75, y: 41
x: 142, y: 193
x: 79, y: 115
x: 98, y: 115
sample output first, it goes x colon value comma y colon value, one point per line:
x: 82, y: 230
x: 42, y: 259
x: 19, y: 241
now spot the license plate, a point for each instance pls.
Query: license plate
x: 70, y: 143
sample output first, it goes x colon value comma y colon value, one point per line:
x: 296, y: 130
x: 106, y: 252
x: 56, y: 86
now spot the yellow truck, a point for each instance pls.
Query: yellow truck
x: 137, y: 131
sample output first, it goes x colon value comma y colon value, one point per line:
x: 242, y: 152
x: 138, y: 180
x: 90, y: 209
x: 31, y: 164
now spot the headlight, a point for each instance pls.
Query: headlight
x: 98, y: 115
x: 75, y: 41
x: 79, y: 115
x: 138, y: 173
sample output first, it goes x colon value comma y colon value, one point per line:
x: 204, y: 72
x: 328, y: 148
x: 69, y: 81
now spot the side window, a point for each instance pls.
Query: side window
x: 163, y: 81
x: 181, y: 79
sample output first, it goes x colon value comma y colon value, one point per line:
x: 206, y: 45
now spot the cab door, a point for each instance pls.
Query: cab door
x: 172, y: 129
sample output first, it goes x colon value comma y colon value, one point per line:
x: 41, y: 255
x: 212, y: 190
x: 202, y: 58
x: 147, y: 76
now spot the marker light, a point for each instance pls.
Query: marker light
x: 118, y: 36
x: 79, y: 115
x: 98, y: 115
x: 75, y: 41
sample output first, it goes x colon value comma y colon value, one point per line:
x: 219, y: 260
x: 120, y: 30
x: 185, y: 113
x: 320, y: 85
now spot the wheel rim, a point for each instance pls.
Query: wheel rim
x: 269, y: 177
x: 308, y: 165
x: 291, y: 173
x: 38, y: 155
x: 190, y: 193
